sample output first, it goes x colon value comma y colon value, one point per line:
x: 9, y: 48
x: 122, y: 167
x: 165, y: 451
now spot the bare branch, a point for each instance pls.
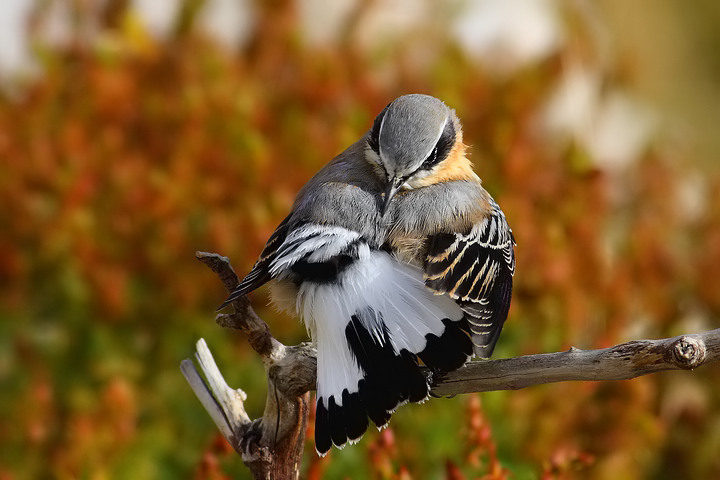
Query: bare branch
x: 621, y: 362
x: 206, y: 397
x: 272, y: 445
x: 243, y: 317
x: 225, y: 405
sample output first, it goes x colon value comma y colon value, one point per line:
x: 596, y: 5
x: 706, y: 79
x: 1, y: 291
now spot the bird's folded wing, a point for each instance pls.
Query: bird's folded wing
x: 476, y: 270
x: 260, y: 273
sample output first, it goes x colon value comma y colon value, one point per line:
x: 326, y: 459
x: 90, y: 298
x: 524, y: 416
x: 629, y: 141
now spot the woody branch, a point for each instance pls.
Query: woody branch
x: 276, y: 439
x: 271, y: 446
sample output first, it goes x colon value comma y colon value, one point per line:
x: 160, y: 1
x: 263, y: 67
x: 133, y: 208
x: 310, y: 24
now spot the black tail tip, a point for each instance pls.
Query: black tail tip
x: 323, y: 441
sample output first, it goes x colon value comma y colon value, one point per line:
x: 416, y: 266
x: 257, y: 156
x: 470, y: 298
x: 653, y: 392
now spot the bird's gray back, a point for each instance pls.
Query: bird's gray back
x: 346, y: 192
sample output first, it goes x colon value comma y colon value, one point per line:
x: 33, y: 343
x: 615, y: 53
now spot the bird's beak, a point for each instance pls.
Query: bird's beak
x: 392, y: 188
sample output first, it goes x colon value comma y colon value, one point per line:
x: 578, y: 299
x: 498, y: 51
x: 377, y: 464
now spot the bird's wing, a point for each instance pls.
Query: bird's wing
x: 260, y: 273
x: 476, y: 270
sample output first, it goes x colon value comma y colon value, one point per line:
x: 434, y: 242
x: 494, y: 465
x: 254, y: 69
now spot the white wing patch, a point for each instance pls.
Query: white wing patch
x: 313, y: 243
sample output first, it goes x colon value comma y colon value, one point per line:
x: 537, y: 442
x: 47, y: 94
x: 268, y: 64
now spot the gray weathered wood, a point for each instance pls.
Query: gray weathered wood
x: 271, y: 446
x: 621, y: 362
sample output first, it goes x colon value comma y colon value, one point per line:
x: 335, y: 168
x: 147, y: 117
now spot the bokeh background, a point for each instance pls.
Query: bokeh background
x: 133, y: 133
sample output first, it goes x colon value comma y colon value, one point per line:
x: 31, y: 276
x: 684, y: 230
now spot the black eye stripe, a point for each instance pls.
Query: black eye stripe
x: 442, y: 148
x: 431, y: 160
x: 374, y: 139
x: 446, y: 141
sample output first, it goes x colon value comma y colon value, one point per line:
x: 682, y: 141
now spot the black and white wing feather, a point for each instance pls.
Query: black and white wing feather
x: 260, y: 273
x: 476, y: 270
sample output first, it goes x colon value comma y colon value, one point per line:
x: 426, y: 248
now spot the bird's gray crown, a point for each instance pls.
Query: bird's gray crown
x: 407, y: 134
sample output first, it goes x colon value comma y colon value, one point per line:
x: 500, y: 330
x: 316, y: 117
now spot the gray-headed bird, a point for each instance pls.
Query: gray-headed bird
x: 393, y: 256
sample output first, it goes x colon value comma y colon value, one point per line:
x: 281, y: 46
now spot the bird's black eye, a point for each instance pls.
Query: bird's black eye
x: 442, y: 148
x: 374, y: 139
x: 431, y: 160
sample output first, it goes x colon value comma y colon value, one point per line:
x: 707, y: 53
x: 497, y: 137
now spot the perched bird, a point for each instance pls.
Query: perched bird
x: 393, y: 255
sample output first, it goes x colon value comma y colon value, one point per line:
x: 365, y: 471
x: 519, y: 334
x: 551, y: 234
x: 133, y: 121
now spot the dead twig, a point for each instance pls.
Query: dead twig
x: 270, y: 446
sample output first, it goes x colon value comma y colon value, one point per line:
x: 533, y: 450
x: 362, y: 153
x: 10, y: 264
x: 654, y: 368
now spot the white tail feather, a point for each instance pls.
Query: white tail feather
x: 379, y: 290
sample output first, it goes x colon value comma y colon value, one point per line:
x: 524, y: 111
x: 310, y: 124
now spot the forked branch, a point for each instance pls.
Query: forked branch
x: 272, y: 445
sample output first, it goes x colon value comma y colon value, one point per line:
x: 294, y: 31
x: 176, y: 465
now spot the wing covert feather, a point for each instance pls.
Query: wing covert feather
x: 260, y: 273
x: 476, y: 270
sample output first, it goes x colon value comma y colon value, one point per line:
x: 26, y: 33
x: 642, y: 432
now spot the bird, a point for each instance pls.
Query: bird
x: 395, y: 257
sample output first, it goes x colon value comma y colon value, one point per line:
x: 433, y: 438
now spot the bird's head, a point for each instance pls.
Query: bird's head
x: 411, y: 143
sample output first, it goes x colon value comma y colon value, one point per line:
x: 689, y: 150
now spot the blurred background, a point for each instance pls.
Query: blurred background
x: 133, y: 133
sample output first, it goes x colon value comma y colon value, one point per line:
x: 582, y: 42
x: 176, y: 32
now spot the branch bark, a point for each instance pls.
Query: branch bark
x: 272, y: 446
x: 621, y: 362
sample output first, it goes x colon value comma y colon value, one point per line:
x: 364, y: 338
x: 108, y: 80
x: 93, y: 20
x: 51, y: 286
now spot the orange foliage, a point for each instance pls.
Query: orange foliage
x: 119, y: 163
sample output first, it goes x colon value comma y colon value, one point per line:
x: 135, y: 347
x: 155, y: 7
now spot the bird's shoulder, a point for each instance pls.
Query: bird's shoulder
x: 453, y: 261
x: 338, y: 204
x: 344, y: 193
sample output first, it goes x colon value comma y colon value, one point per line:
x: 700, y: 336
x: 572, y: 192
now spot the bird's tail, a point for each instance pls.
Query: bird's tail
x: 372, y: 327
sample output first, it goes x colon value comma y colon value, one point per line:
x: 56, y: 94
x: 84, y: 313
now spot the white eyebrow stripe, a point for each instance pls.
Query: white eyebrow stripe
x: 380, y: 151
